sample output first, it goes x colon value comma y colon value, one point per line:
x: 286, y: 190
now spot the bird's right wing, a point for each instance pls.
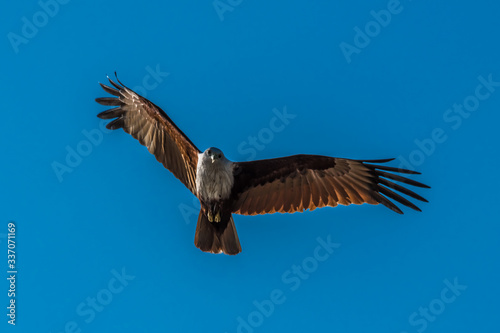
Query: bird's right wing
x: 296, y: 183
x: 154, y: 129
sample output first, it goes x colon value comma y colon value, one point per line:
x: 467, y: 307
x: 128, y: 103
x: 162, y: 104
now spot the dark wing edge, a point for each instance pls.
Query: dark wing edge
x: 153, y: 128
x: 384, y: 174
x: 300, y: 182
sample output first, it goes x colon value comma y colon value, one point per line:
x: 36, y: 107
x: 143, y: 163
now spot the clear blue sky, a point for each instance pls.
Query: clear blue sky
x: 105, y: 233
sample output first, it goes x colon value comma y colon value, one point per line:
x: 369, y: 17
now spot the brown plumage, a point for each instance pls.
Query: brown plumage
x: 150, y: 125
x: 285, y: 185
x: 301, y: 182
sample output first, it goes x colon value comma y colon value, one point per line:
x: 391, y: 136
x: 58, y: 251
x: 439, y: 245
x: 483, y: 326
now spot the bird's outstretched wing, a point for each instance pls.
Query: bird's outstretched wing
x: 300, y: 182
x: 154, y: 129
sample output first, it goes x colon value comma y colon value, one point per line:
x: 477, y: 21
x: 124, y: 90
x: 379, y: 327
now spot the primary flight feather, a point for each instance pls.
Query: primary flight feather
x: 285, y: 185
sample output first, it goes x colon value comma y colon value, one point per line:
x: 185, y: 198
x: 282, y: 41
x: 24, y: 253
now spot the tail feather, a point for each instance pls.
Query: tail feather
x: 229, y: 239
x: 213, y: 238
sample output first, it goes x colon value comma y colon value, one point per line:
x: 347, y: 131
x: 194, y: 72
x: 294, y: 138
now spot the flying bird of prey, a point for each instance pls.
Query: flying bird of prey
x: 285, y: 185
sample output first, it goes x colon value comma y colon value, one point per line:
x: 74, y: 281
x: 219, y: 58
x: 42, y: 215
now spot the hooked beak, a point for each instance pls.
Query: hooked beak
x: 213, y: 158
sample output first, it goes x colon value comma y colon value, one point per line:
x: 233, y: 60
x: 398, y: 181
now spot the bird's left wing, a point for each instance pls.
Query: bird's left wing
x: 296, y: 183
x: 154, y: 129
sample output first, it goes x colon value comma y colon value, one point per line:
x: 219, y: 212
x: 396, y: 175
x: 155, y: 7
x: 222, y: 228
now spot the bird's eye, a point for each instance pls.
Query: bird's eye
x: 220, y: 155
x: 209, y: 152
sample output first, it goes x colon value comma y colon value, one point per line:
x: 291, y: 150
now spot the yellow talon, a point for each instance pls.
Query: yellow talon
x: 217, y: 217
x: 210, y: 216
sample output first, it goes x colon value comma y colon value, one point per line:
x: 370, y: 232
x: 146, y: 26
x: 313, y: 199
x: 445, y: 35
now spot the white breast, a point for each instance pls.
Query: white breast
x: 214, y: 181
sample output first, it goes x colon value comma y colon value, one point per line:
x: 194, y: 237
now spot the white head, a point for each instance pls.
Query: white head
x: 215, y: 156
x: 214, y: 175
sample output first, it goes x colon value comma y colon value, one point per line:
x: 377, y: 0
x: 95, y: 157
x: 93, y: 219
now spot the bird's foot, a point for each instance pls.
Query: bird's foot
x: 210, y: 216
x: 217, y: 217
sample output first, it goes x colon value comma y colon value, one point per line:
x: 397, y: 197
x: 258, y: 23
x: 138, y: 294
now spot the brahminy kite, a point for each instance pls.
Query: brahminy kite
x: 279, y: 185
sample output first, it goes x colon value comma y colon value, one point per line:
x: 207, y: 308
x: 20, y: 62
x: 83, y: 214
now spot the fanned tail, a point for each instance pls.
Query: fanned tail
x: 216, y: 237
